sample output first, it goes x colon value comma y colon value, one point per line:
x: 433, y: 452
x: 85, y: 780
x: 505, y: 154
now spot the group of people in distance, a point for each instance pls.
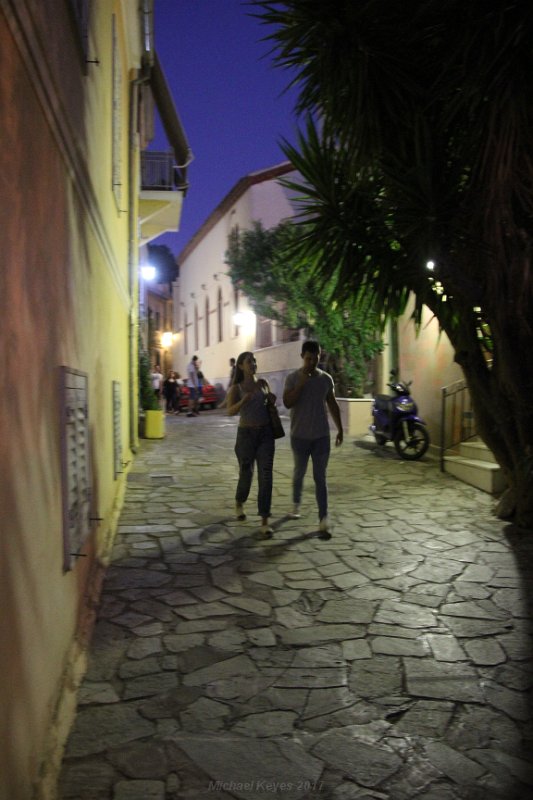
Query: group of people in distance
x: 309, y: 394
x: 170, y: 388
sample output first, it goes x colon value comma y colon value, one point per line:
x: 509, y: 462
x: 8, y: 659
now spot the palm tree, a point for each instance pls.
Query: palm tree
x: 423, y: 153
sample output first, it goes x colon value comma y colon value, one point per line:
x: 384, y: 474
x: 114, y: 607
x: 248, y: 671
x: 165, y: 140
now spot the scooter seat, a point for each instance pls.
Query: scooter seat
x: 383, y: 402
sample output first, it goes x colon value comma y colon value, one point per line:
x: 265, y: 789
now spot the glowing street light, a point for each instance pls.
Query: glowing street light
x: 148, y: 272
x: 166, y: 339
x: 245, y: 320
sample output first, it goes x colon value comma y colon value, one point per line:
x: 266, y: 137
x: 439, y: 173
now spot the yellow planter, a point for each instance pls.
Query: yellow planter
x: 154, y: 425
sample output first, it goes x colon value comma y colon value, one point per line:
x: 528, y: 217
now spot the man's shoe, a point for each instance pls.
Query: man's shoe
x: 239, y: 512
x: 266, y: 531
x: 190, y: 414
x: 323, y: 528
x: 295, y: 513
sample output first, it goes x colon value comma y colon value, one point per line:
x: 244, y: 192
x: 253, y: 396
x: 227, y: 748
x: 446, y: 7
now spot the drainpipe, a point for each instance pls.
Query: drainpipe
x: 147, y: 34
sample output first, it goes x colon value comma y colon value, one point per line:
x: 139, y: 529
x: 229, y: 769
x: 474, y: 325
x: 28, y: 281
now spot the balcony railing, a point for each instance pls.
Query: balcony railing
x: 159, y: 172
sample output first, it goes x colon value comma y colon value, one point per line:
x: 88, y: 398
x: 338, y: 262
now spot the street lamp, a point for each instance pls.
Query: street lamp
x: 148, y: 272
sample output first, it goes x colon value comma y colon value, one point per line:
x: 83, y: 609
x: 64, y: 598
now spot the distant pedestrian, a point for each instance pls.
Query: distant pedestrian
x: 192, y: 385
x: 157, y: 381
x: 232, y: 366
x: 309, y: 393
x: 248, y: 396
x: 170, y: 391
x: 224, y: 403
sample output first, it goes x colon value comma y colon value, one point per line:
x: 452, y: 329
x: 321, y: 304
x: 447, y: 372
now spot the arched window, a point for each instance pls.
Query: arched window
x: 207, y: 321
x: 219, y: 314
x: 235, y: 309
x: 195, y: 327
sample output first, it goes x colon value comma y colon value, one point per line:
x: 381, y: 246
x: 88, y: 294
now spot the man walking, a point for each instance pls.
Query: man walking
x: 309, y: 393
x: 192, y: 384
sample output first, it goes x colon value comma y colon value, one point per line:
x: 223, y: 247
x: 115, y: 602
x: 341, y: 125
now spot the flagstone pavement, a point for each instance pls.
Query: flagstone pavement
x: 389, y: 663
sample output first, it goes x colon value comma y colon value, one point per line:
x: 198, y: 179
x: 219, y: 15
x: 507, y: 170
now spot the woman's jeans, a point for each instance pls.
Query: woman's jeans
x: 318, y: 450
x: 255, y: 444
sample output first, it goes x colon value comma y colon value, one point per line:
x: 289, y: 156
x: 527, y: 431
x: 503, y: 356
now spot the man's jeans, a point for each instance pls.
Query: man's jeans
x: 318, y: 450
x: 255, y: 444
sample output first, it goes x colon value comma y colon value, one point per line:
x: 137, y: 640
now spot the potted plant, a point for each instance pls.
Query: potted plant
x: 151, y: 412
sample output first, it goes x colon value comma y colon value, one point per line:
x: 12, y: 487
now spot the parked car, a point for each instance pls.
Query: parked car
x: 208, y: 398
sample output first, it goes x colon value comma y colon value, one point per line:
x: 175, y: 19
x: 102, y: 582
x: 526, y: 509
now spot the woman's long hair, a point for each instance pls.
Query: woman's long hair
x: 239, y: 374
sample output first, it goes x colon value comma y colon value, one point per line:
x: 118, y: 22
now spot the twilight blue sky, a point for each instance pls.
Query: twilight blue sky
x: 228, y: 95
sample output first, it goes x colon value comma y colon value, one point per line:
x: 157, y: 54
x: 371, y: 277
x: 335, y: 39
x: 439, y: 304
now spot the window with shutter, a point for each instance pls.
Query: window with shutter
x: 75, y: 464
x: 116, y: 117
x: 80, y: 10
x: 117, y: 430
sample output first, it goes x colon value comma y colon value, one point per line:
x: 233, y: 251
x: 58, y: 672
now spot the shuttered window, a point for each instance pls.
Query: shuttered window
x: 80, y: 10
x: 117, y: 430
x: 75, y: 463
x: 116, y: 83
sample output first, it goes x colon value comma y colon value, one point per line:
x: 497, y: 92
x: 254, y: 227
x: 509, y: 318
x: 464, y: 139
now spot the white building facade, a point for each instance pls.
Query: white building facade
x: 212, y: 318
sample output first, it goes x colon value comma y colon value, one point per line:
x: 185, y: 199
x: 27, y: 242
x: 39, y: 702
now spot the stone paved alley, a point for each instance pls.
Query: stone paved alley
x: 392, y: 662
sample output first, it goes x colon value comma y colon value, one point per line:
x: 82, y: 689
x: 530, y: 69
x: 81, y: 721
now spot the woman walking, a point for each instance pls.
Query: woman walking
x: 249, y: 396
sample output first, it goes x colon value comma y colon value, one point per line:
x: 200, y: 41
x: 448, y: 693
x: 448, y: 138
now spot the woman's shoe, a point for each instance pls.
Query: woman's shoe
x: 324, y: 529
x: 266, y: 531
x: 239, y: 512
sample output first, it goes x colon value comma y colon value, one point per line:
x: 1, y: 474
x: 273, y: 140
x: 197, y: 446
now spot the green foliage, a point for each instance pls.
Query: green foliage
x: 147, y: 399
x: 262, y: 264
x: 423, y: 153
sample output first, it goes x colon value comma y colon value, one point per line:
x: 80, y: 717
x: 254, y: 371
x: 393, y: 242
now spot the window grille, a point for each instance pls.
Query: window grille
x: 76, y: 478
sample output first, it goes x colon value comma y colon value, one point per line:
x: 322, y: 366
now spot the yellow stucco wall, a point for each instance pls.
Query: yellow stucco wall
x: 64, y: 300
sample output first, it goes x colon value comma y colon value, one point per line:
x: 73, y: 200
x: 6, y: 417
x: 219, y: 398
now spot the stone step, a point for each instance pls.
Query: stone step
x: 484, y: 475
x: 477, y: 451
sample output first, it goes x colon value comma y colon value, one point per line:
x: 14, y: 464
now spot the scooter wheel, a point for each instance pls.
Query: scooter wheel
x: 380, y: 439
x: 415, y: 446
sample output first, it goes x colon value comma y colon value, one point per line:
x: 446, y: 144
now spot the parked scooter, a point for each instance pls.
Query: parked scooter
x: 396, y: 419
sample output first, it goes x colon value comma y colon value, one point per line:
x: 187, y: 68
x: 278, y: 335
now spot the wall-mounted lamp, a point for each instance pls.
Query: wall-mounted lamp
x: 182, y: 303
x: 193, y: 294
x: 245, y: 320
x: 148, y: 272
x: 204, y: 286
x: 166, y: 339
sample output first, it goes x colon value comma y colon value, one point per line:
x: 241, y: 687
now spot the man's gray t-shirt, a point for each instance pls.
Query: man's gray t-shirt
x: 309, y: 416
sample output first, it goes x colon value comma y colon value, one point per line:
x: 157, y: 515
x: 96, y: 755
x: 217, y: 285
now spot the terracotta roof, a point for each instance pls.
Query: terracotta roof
x: 230, y: 199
